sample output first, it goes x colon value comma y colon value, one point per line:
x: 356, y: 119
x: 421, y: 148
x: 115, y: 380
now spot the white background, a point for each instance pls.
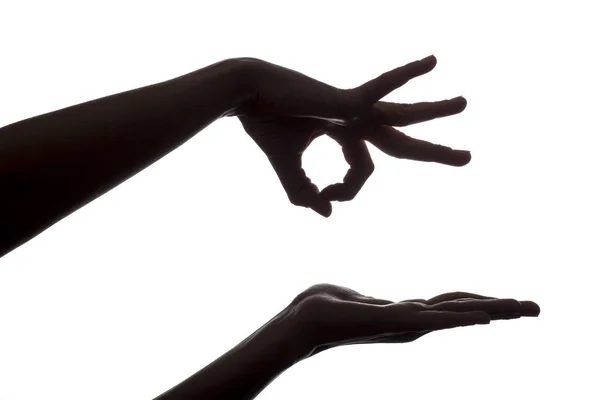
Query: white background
x: 146, y: 285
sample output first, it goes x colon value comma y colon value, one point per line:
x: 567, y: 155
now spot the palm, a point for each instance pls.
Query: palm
x: 336, y: 316
x: 283, y: 137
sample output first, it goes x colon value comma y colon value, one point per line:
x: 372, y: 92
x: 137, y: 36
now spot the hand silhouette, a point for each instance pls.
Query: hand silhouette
x: 284, y: 111
x: 332, y: 315
x: 326, y: 316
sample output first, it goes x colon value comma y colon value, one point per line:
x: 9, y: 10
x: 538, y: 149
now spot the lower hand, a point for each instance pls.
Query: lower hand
x: 331, y: 316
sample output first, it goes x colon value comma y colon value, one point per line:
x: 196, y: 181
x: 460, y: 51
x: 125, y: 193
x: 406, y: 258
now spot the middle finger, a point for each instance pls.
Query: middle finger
x: 394, y: 114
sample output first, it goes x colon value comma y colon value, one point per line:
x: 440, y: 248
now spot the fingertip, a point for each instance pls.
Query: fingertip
x: 454, y: 158
x: 430, y: 60
x: 462, y: 158
x: 337, y: 192
x: 323, y: 208
x: 328, y: 194
x: 460, y: 102
x: 425, y: 65
x: 467, y: 155
x: 530, y: 309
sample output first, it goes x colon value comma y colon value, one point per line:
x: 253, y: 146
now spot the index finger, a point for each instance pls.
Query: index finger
x: 386, y: 83
x: 361, y: 165
x: 434, y: 320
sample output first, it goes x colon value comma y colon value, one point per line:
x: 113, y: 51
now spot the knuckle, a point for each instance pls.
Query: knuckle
x: 310, y: 310
x: 321, y: 287
x: 297, y: 197
x: 296, y: 200
x: 416, y: 306
x: 302, y: 194
x: 514, y: 304
x: 369, y: 168
x: 355, y: 103
x: 347, y: 196
x: 313, y: 290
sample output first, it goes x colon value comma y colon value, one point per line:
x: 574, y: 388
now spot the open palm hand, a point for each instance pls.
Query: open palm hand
x: 333, y: 315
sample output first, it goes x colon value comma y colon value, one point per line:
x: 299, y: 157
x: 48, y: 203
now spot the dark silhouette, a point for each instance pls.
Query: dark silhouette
x: 52, y: 164
x: 55, y: 163
x: 326, y: 316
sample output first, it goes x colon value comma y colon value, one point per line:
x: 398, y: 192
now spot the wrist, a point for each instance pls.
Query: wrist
x: 244, y: 371
x: 287, y: 337
x: 217, y: 90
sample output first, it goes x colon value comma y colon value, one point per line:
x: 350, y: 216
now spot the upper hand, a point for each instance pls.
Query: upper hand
x: 331, y: 316
x: 284, y: 111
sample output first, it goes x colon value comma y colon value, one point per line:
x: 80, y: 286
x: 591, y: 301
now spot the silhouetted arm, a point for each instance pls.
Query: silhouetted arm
x: 326, y: 316
x: 53, y: 164
x: 243, y: 372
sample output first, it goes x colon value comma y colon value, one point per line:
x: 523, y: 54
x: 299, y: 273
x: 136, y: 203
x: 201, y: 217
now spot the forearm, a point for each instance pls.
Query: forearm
x: 243, y: 372
x: 53, y: 164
